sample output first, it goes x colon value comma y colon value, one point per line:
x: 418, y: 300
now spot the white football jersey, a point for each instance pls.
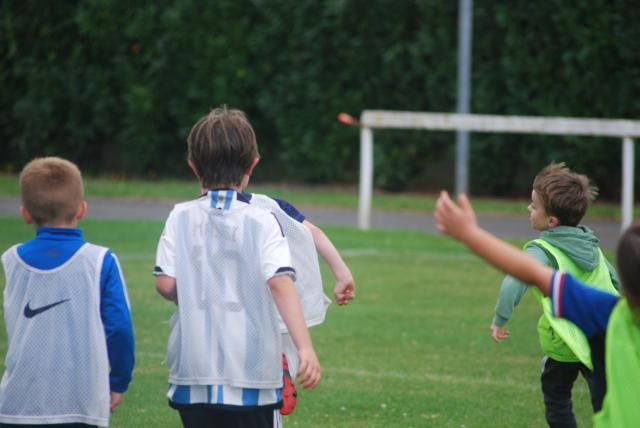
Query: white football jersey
x: 305, y: 261
x: 57, y: 369
x: 222, y: 251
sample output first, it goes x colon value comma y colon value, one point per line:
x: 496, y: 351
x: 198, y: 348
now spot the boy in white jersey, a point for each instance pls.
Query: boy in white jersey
x: 226, y: 264
x: 70, y: 338
x: 306, y: 241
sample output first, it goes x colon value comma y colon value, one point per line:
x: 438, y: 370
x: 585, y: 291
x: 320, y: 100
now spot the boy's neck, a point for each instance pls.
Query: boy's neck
x: 205, y: 190
x: 72, y: 225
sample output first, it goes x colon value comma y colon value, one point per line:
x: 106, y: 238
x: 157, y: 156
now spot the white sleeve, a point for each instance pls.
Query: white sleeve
x: 276, y: 258
x: 165, y: 254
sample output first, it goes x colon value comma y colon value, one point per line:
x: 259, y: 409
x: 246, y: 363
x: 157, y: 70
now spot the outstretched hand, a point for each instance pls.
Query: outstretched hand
x: 498, y: 333
x: 452, y: 219
x: 459, y: 222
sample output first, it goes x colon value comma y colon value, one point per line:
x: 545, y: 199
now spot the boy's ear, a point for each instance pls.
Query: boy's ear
x: 553, y: 221
x: 249, y: 170
x: 193, y: 168
x: 82, y: 210
x: 25, y: 215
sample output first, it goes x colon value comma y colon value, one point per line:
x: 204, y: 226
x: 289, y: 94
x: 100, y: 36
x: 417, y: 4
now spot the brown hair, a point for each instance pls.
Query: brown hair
x: 564, y: 193
x: 51, y: 190
x: 221, y: 147
x: 628, y: 255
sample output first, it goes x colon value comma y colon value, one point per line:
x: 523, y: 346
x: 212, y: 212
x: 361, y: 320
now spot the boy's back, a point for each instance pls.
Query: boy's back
x: 48, y: 362
x: 223, y: 250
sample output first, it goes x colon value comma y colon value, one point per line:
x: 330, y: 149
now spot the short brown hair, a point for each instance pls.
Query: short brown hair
x: 564, y: 193
x: 51, y: 190
x: 628, y: 255
x: 222, y: 145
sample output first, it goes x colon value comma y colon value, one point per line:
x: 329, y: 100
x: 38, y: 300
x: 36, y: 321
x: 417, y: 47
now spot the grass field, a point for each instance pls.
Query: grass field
x: 413, y: 350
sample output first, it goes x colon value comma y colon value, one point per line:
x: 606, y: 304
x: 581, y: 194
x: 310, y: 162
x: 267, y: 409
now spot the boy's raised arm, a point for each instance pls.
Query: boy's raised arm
x: 284, y: 294
x: 460, y: 223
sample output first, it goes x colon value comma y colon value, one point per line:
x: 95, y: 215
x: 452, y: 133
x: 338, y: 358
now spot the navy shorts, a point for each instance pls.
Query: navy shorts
x: 208, y: 416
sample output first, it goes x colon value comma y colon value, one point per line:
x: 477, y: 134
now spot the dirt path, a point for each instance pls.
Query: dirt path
x: 507, y: 227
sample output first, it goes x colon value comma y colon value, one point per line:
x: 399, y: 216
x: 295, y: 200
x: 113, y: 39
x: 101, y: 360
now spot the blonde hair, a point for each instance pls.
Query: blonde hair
x: 565, y: 194
x: 51, y: 190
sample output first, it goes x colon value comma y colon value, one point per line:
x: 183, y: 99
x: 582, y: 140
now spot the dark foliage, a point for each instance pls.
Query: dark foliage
x: 116, y: 85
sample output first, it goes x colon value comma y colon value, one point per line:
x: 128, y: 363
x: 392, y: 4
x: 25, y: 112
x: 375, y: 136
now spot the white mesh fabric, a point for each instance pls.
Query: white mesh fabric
x: 225, y: 330
x: 304, y: 258
x: 57, y: 369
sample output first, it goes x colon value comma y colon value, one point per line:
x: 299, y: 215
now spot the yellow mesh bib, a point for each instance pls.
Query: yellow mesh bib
x: 621, y: 407
x: 569, y: 333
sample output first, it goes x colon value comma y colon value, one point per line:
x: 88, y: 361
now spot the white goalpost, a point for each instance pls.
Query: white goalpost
x: 372, y: 119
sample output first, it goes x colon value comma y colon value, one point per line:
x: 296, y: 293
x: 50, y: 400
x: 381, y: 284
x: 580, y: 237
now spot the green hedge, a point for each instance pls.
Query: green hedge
x: 116, y: 85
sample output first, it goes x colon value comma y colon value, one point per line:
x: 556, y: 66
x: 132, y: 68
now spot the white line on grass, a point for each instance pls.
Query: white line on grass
x: 370, y: 251
x: 433, y: 377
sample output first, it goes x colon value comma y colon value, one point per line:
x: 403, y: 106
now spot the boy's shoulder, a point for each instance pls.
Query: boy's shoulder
x: 577, y: 243
x: 264, y: 202
x: 186, y: 205
x: 9, y: 251
x: 570, y: 236
x: 222, y: 205
x: 90, y: 246
x: 278, y: 205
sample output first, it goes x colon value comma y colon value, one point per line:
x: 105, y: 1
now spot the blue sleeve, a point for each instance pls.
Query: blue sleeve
x: 116, y: 318
x: 586, y: 307
x: 290, y: 210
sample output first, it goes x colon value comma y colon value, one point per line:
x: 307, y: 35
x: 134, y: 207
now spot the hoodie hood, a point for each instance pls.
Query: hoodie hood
x: 579, y: 243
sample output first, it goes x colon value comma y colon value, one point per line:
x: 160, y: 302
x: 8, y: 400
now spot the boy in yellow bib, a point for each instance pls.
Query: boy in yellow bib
x: 610, y: 322
x: 559, y: 201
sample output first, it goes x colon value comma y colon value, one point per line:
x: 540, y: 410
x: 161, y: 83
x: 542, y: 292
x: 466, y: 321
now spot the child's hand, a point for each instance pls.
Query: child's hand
x: 345, y: 289
x: 116, y: 399
x: 452, y: 219
x: 498, y: 334
x: 309, y: 372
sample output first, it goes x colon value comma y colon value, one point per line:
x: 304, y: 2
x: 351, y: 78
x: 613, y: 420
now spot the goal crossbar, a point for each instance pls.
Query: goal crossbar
x: 384, y: 119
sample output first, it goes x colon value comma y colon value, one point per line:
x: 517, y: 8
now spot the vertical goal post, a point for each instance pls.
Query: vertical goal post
x: 379, y: 119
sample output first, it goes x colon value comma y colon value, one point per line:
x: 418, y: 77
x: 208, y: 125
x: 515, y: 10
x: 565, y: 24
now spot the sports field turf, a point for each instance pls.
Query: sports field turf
x: 413, y: 349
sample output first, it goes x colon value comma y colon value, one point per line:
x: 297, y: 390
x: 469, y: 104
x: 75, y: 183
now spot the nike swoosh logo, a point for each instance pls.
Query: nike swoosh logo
x: 30, y: 313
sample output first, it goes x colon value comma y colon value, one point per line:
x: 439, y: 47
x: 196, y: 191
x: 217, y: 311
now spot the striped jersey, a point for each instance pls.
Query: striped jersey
x: 225, y: 346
